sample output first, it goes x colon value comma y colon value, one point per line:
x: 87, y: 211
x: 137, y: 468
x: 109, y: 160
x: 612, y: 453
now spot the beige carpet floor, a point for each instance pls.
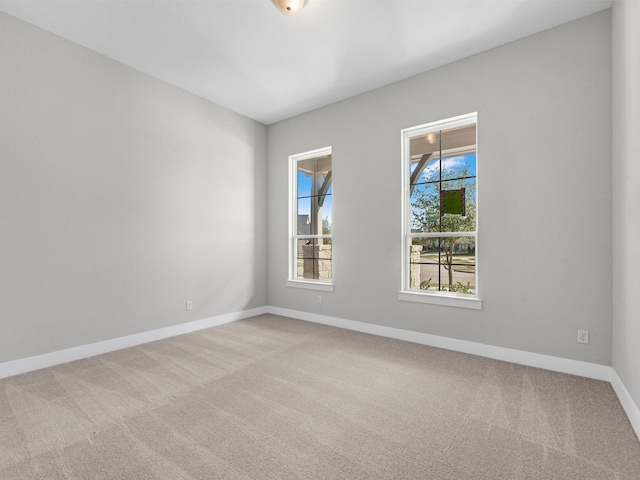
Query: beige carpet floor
x: 276, y: 398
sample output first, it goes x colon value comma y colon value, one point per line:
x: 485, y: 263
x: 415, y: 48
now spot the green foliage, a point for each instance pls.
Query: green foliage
x: 456, y: 287
x: 461, y: 288
x: 425, y: 204
x: 428, y: 217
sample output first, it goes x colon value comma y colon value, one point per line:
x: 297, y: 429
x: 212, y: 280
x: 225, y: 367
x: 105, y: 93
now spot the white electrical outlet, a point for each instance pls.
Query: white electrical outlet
x: 319, y: 298
x: 189, y: 305
x: 583, y: 336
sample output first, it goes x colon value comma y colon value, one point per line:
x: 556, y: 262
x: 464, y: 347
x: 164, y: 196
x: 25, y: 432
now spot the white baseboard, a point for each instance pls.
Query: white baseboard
x: 630, y: 408
x: 558, y: 364
x: 547, y: 362
x: 30, y: 364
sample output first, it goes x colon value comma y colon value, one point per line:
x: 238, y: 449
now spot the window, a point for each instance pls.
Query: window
x: 311, y: 221
x: 439, y: 170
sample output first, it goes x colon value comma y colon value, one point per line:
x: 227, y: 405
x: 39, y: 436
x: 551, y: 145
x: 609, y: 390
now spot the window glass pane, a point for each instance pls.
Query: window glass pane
x: 323, y: 171
x: 431, y: 172
x: 299, y: 267
x: 425, y: 169
x: 459, y: 166
x: 443, y: 264
x: 314, y: 258
x: 442, y: 178
x: 423, y: 264
x: 458, y: 205
x: 304, y: 216
x: 458, y: 137
x: 458, y: 264
x: 312, y: 216
x: 325, y: 203
x: 424, y: 151
x: 314, y: 189
x: 425, y: 208
x: 304, y: 183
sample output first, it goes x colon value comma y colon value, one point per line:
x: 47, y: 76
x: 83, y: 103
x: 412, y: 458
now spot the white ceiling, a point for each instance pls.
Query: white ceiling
x: 250, y: 58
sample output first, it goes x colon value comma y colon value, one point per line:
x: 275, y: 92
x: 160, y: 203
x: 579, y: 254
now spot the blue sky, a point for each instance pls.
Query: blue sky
x: 449, y: 163
x: 430, y: 171
x: 304, y: 190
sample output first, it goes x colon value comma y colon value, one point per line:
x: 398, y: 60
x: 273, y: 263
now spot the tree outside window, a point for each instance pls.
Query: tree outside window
x: 441, y: 210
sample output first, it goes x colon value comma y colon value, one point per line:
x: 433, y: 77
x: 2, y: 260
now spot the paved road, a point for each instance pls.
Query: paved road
x: 431, y: 271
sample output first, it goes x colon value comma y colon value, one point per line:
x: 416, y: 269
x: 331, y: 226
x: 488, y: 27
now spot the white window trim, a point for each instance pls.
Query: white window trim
x: 442, y: 298
x: 406, y: 294
x: 292, y: 281
x: 322, y: 285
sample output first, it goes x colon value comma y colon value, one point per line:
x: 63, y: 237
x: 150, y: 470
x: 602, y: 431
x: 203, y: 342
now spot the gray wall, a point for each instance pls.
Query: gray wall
x: 544, y: 109
x: 626, y: 194
x: 120, y: 198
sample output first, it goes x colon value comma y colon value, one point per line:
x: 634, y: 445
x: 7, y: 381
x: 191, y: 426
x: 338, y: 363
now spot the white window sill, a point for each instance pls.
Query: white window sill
x: 446, y: 300
x: 318, y: 285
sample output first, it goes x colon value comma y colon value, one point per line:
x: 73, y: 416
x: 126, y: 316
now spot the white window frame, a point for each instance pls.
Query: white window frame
x: 451, y: 299
x: 293, y: 280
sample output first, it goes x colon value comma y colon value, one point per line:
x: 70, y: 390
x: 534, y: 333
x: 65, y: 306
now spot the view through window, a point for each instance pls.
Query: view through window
x: 440, y: 207
x: 312, y: 221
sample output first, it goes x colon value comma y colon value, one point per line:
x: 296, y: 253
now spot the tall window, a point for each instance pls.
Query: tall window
x: 440, y: 209
x: 311, y: 217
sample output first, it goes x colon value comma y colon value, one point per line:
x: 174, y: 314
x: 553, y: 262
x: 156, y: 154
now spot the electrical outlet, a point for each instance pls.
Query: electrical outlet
x: 583, y: 336
x: 189, y: 305
x: 319, y: 298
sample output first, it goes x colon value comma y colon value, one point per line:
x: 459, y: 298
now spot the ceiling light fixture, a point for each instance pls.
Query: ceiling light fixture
x: 289, y: 7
